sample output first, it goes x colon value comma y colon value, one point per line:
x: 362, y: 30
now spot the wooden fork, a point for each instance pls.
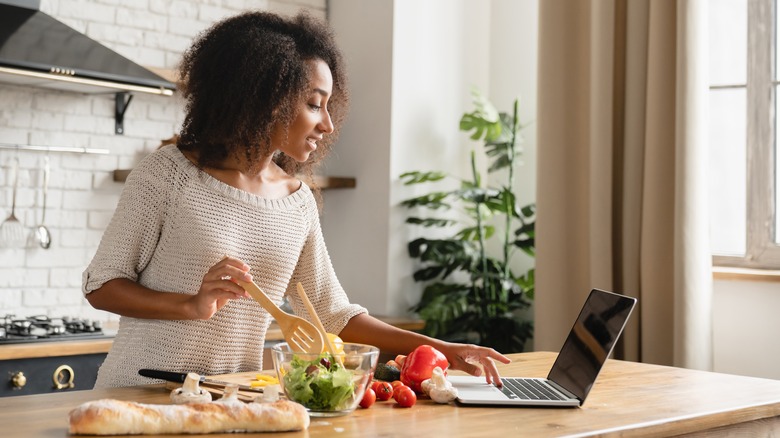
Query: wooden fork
x: 317, y: 322
x: 300, y: 334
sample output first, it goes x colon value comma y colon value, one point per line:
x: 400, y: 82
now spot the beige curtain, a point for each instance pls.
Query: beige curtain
x: 622, y: 157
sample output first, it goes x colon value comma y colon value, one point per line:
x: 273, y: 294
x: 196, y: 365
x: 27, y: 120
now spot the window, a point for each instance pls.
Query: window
x: 743, y: 113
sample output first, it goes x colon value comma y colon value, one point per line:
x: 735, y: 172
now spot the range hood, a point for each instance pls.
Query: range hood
x: 40, y: 51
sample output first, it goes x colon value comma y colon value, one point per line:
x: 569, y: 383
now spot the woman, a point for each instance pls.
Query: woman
x: 265, y: 97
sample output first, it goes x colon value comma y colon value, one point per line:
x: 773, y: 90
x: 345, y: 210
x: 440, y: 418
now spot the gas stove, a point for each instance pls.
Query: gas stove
x: 16, y: 330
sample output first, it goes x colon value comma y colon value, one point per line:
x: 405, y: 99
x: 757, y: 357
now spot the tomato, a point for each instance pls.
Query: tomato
x: 396, y: 384
x: 405, y: 397
x: 383, y: 390
x: 368, y: 398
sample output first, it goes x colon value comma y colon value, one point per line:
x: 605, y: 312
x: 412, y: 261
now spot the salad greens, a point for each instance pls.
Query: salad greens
x: 322, y: 384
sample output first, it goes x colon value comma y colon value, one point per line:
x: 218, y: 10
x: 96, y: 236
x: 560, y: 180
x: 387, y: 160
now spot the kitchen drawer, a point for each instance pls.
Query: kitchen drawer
x: 49, y: 374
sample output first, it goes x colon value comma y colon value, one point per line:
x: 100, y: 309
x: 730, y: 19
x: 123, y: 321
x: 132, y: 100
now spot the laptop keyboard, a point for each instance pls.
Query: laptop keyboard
x: 528, y: 389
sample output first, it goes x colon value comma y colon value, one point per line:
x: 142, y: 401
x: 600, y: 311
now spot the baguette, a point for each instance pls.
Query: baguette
x: 117, y: 417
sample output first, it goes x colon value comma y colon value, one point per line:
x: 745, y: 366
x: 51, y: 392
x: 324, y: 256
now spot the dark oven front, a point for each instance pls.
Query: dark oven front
x: 41, y: 375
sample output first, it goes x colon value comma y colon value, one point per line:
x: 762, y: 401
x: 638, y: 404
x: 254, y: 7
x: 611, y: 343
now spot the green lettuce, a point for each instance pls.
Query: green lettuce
x: 322, y: 384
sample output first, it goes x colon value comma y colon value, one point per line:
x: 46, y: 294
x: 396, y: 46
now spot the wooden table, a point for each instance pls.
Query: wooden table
x: 629, y: 399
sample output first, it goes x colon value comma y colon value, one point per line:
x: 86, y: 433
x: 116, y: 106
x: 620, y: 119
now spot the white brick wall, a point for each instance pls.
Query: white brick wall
x: 82, y: 193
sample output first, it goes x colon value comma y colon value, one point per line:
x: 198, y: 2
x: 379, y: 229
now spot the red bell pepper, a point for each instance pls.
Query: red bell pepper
x: 419, y: 364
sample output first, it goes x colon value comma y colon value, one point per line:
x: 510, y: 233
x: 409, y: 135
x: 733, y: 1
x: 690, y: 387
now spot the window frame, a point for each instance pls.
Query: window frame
x: 761, y: 251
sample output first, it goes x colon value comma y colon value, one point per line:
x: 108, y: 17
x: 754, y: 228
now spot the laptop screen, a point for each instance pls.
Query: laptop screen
x: 590, y: 341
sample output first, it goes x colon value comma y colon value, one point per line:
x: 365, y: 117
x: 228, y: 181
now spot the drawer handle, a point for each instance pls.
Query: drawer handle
x: 63, y: 377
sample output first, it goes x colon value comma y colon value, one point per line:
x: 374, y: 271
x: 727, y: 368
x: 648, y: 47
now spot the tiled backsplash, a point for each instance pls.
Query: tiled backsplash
x: 82, y: 194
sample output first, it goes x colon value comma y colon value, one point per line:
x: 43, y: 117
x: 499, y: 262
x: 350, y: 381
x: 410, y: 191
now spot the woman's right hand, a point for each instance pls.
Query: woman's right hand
x: 218, y: 287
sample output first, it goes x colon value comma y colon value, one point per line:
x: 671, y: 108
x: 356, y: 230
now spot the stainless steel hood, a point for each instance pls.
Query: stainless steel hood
x: 38, y: 50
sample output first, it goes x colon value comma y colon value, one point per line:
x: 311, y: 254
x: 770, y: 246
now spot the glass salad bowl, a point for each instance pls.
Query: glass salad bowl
x: 327, y: 386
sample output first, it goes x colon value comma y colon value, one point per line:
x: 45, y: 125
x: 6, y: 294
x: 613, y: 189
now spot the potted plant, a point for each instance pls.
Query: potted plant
x: 471, y: 295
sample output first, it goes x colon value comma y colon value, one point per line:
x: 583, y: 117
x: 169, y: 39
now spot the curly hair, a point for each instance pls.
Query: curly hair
x: 248, y: 73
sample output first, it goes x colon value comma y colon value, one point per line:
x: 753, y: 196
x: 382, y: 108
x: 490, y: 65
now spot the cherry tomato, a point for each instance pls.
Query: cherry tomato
x: 368, y: 398
x: 397, y: 383
x: 405, y: 397
x: 383, y: 390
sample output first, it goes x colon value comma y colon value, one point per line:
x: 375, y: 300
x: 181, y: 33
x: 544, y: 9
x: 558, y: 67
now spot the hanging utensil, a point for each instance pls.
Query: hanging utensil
x: 42, y: 233
x: 11, y: 230
x: 301, y: 335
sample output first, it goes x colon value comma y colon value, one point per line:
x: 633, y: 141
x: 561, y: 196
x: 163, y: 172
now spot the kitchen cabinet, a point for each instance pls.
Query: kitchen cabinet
x: 44, y: 367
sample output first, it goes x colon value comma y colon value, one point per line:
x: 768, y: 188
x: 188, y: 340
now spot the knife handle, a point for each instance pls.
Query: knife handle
x: 165, y: 375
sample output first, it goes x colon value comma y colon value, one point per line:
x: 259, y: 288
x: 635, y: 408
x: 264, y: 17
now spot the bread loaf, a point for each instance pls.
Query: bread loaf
x: 117, y: 417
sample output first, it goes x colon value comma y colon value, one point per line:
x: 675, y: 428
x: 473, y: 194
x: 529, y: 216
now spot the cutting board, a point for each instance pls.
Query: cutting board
x: 245, y: 378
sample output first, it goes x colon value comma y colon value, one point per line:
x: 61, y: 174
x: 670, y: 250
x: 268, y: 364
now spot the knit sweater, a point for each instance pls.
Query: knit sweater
x: 174, y: 222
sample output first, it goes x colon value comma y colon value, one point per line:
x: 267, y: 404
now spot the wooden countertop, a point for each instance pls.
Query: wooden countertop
x: 629, y: 399
x: 55, y: 348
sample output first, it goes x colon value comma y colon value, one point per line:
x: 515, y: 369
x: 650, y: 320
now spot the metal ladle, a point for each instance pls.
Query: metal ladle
x: 42, y: 234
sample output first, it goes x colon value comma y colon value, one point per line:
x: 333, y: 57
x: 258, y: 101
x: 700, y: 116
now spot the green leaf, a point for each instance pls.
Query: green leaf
x: 483, y: 107
x: 477, y: 194
x: 428, y: 273
x: 485, y: 120
x: 499, y: 163
x: 472, y: 233
x: 441, y: 251
x: 503, y: 202
x: 433, y: 201
x: 421, y: 177
x: 442, y: 309
x: 437, y: 289
x: 529, y: 212
x: 526, y: 283
x: 430, y: 222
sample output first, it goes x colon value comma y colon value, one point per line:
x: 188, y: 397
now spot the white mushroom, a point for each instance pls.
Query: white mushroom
x: 190, y: 392
x: 230, y: 394
x: 439, y: 388
x: 270, y: 394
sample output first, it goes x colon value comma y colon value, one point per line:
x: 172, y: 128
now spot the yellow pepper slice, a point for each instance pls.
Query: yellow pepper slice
x: 336, y: 341
x: 263, y: 380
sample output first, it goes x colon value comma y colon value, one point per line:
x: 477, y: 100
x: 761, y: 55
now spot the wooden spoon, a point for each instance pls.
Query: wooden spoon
x: 301, y: 335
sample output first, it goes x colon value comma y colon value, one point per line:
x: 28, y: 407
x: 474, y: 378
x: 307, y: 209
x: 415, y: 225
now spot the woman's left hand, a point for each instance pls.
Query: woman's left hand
x: 475, y: 359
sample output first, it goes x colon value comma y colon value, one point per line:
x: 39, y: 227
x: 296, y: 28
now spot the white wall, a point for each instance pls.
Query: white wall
x: 355, y: 221
x: 746, y: 328
x: 83, y: 195
x: 411, y: 84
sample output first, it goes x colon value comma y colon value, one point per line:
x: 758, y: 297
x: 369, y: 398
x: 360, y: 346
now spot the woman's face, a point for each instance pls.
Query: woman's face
x: 312, y: 121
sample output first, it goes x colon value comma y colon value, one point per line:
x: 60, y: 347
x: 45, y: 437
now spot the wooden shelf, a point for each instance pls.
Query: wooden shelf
x: 323, y: 182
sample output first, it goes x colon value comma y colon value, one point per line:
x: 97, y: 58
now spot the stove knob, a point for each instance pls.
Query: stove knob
x: 18, y: 380
x: 63, y: 377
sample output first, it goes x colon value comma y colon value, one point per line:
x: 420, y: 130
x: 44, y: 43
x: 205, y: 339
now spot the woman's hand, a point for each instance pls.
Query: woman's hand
x: 474, y: 359
x: 218, y: 287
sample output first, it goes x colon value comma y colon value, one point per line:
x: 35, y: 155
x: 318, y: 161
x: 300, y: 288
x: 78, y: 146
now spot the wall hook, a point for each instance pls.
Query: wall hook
x: 122, y: 102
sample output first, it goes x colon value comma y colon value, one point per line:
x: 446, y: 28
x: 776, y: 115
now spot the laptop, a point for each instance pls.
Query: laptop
x: 591, y: 340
